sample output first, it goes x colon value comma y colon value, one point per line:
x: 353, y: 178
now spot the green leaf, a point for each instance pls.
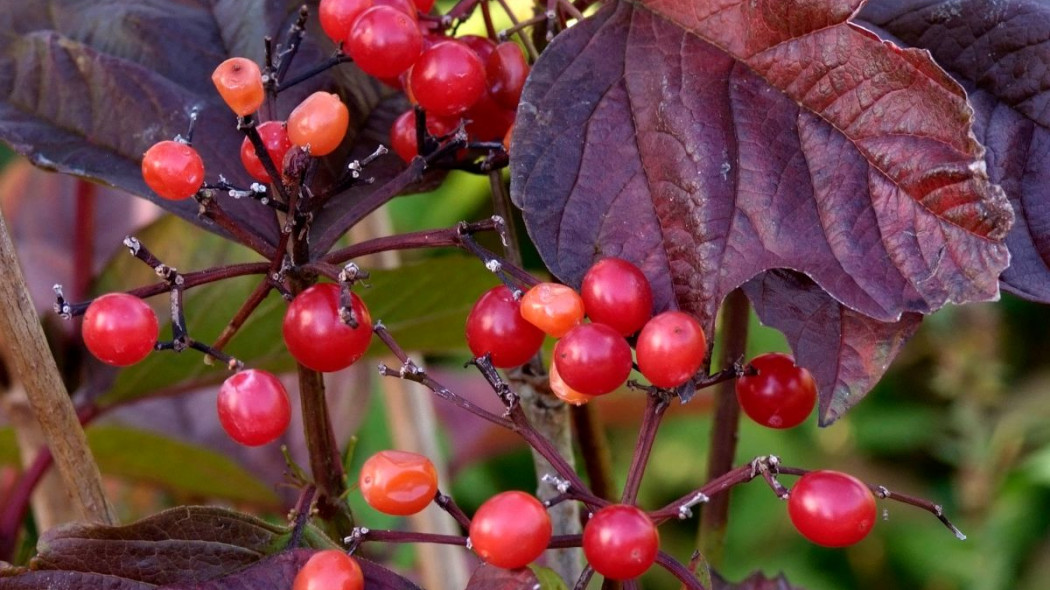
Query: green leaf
x: 201, y: 472
x: 548, y: 579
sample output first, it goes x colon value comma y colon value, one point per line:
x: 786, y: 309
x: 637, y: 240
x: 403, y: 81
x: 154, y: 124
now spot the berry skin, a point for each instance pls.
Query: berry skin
x: 398, y: 482
x: 384, y: 42
x: 510, y: 530
x: 239, y: 83
x: 506, y: 70
x: 330, y: 570
x: 403, y: 133
x: 320, y: 122
x: 553, y: 308
x: 338, y: 16
x: 447, y: 79
x: 315, y: 334
x: 495, y: 327
x: 563, y: 391
x: 405, y: 6
x: 173, y: 170
x: 781, y: 395
x: 487, y: 120
x: 620, y: 542
x: 275, y: 138
x: 617, y: 294
x: 832, y: 509
x: 593, y: 359
x: 253, y: 407
x: 120, y: 329
x: 671, y: 347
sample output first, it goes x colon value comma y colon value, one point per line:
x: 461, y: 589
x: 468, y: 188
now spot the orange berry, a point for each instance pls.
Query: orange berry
x: 239, y: 82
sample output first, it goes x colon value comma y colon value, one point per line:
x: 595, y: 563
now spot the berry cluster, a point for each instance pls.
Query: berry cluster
x: 590, y: 359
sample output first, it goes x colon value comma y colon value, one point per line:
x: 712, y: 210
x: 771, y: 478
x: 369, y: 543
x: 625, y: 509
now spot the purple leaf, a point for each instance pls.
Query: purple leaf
x: 998, y: 52
x: 487, y: 577
x: 711, y: 145
x: 847, y: 352
x: 87, y: 87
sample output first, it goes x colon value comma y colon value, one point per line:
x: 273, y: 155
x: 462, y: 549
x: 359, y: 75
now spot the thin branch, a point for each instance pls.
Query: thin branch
x: 656, y: 405
x: 449, y: 505
x: 679, y: 571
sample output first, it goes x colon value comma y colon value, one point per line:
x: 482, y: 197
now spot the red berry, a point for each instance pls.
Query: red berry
x: 832, y: 509
x: 275, y: 138
x: 671, y: 347
x: 424, y: 6
x: 553, y: 308
x: 330, y: 570
x: 483, y: 46
x: 506, y: 70
x: 616, y: 293
x: 315, y: 334
x: 173, y: 169
x: 406, y: 6
x: 563, y: 392
x: 384, y: 42
x: 620, y: 542
x: 487, y: 120
x: 495, y: 327
x: 337, y: 16
x: 239, y: 83
x: 253, y: 407
x: 447, y: 79
x: 593, y: 359
x: 510, y: 530
x: 781, y: 395
x: 403, y: 133
x: 398, y: 482
x: 120, y: 329
x: 320, y: 122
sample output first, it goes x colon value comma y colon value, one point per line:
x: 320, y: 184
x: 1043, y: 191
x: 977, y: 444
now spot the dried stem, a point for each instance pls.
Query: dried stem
x: 715, y: 516
x: 26, y: 350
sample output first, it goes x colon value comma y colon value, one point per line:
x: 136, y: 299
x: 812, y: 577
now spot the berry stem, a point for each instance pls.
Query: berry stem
x: 411, y: 371
x: 303, y: 507
x: 656, y: 405
x: 714, y: 518
x: 526, y: 40
x: 446, y: 503
x: 594, y: 448
x: 337, y: 58
x: 296, y: 32
x: 325, y: 463
x: 241, y: 233
x: 679, y: 571
x: 440, y: 238
x: 247, y: 126
x: 584, y: 579
x: 247, y: 308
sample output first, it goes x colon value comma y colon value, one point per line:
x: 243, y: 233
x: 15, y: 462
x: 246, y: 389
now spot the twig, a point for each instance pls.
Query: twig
x: 446, y: 503
x: 656, y: 405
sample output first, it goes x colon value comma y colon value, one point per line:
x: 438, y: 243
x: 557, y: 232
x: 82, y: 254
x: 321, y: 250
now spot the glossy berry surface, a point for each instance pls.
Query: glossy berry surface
x: 563, y: 392
x: 403, y: 133
x: 398, y: 482
x: 337, y: 16
x: 239, y: 82
x: 329, y: 570
x: 120, y: 329
x: 781, y: 395
x: 253, y: 407
x: 620, y: 542
x: 406, y: 6
x: 832, y: 509
x: 275, y: 138
x: 487, y: 120
x: 510, y: 530
x: 384, y: 42
x: 495, y: 327
x: 447, y: 79
x: 553, y: 308
x: 173, y: 170
x: 320, y: 122
x: 593, y: 359
x: 671, y: 348
x: 616, y: 293
x: 506, y: 71
x: 315, y: 334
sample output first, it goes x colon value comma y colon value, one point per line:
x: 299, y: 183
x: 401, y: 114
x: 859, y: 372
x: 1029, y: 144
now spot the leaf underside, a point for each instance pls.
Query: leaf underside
x: 712, y: 142
x: 999, y: 52
x: 192, y: 547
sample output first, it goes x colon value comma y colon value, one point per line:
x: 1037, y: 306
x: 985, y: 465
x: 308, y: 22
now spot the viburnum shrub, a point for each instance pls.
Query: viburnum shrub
x: 675, y: 166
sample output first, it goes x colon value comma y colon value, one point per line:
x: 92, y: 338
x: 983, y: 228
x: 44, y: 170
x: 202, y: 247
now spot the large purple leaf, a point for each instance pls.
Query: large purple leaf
x: 846, y: 351
x: 87, y: 87
x: 710, y: 142
x: 999, y: 53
